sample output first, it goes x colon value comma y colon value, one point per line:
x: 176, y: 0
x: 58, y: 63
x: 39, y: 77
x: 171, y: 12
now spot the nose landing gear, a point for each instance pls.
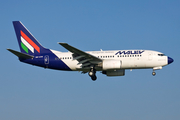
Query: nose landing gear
x: 156, y: 68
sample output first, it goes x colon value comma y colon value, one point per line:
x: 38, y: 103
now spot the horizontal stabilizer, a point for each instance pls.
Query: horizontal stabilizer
x: 21, y: 55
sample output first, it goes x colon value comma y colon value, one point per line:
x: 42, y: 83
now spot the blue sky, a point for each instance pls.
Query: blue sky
x: 29, y: 92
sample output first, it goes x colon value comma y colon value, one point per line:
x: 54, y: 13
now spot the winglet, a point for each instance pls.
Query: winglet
x: 21, y: 55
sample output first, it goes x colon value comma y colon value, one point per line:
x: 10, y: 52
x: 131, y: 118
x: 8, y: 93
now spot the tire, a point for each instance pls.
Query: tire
x: 93, y: 78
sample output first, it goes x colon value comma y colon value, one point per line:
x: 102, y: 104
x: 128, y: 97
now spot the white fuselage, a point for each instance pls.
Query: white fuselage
x: 130, y: 59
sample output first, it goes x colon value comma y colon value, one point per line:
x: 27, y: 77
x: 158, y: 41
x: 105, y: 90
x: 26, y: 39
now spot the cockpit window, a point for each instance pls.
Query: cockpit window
x: 161, y: 54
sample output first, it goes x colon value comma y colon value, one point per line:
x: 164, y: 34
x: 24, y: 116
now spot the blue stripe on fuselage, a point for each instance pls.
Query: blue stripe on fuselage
x: 47, y: 60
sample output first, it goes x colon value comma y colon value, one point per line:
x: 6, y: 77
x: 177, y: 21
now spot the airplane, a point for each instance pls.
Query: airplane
x: 110, y: 63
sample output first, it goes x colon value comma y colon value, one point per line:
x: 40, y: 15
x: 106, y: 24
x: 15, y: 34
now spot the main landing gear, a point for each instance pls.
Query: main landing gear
x: 92, y: 74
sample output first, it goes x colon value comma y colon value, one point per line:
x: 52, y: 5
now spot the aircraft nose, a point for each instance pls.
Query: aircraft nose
x: 170, y: 60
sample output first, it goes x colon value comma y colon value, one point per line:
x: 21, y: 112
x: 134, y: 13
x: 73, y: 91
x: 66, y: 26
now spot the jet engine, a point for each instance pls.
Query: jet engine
x: 111, y: 64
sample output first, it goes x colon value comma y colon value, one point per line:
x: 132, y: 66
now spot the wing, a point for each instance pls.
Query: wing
x: 86, y: 59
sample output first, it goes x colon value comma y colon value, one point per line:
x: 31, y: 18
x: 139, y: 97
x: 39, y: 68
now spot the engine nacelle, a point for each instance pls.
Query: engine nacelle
x: 114, y: 72
x: 111, y: 64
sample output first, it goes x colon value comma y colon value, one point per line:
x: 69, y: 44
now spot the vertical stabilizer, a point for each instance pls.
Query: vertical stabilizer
x: 27, y: 42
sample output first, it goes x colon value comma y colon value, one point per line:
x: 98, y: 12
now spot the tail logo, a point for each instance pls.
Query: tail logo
x: 27, y: 43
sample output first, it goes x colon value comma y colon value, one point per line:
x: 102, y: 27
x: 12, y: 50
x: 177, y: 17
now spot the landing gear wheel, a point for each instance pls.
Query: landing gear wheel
x: 92, y: 74
x: 93, y: 78
x: 153, y: 73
